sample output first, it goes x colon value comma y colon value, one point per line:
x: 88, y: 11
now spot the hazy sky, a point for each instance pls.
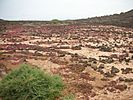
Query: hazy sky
x: 60, y: 9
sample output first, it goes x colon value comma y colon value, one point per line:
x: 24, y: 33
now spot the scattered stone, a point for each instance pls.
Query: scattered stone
x: 123, y: 57
x: 84, y: 75
x: 100, y: 70
x: 121, y: 79
x: 126, y: 79
x: 76, y: 47
x: 132, y: 57
x: 121, y: 87
x: 38, y: 53
x: 127, y: 59
x: 129, y: 80
x: 114, y: 56
x: 94, y: 66
x: 105, y: 92
x: 92, y: 59
x: 104, y: 79
x: 77, y: 67
x: 108, y: 74
x: 92, y: 94
x: 130, y: 50
x: 85, y: 88
x: 114, y: 70
x: 106, y: 59
x: 87, y: 76
x: 105, y: 48
x: 101, y: 66
x: 126, y: 71
x: 61, y: 55
x: 111, y: 89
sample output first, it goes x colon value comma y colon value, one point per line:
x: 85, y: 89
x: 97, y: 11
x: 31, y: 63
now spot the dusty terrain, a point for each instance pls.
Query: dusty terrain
x: 94, y: 61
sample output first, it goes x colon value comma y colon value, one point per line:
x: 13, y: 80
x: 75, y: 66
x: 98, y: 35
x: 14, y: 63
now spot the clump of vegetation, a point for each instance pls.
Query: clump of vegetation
x: 55, y: 21
x: 27, y: 83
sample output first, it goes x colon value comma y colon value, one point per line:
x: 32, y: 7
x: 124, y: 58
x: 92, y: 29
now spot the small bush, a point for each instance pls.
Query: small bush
x: 27, y: 83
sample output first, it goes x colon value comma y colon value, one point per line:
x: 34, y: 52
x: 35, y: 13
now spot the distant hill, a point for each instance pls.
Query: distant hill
x: 1, y: 20
x: 122, y: 19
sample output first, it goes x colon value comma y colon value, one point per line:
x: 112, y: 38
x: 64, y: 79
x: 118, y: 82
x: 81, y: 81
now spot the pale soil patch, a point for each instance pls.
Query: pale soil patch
x: 43, y: 64
x: 88, y: 52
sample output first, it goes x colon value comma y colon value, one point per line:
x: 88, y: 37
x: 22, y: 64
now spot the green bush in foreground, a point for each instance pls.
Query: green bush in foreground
x: 28, y: 83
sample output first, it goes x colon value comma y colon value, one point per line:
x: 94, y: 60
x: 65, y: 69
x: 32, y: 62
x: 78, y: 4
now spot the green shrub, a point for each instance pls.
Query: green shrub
x: 27, y: 83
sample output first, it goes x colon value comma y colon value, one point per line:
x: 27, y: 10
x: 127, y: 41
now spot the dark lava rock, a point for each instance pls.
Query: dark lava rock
x: 114, y: 70
x: 87, y: 76
x: 110, y: 89
x: 101, y: 66
x: 92, y: 59
x: 114, y: 56
x: 112, y: 83
x: 132, y: 57
x: 100, y: 70
x: 121, y: 87
x: 84, y: 75
x: 106, y: 59
x: 126, y: 79
x: 94, y: 66
x: 129, y: 80
x: 77, y: 67
x: 127, y: 59
x: 92, y: 94
x: 85, y: 88
x: 104, y: 79
x: 126, y: 71
x: 105, y: 48
x: 61, y: 55
x: 123, y: 57
x: 76, y: 48
x: 108, y: 74
x: 121, y: 79
x: 130, y: 50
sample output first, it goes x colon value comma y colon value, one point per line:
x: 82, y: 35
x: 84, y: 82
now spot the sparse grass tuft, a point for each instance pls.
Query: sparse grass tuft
x: 69, y: 97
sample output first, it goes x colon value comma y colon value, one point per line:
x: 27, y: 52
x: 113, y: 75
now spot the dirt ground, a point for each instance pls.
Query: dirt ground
x: 94, y: 61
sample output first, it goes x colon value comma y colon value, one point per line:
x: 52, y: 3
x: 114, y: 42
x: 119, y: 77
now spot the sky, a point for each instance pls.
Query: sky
x: 60, y: 9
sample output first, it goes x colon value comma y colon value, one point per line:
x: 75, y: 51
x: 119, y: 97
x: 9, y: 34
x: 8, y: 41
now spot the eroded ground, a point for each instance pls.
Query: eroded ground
x: 95, y: 61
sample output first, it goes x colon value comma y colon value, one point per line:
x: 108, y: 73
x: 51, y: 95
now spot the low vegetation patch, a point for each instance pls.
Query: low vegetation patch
x: 27, y: 83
